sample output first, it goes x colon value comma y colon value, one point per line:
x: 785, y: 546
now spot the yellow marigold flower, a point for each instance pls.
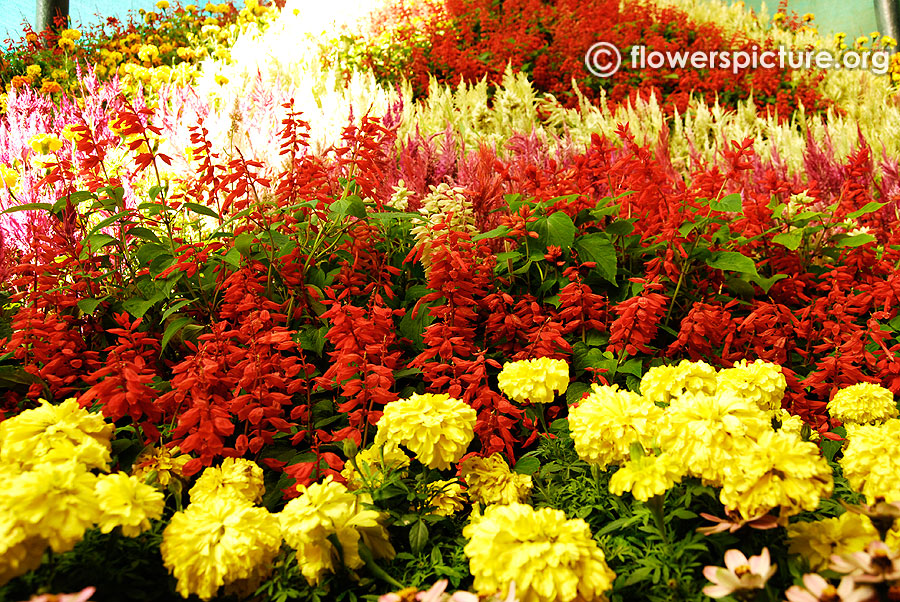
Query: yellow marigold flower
x: 235, y: 476
x: 221, y: 79
x: 19, y: 552
x: 59, y: 74
x: 646, y: 477
x: 780, y: 471
x: 148, y: 52
x: 45, y: 143
x: 888, y: 41
x: 56, y: 434
x: 329, y: 509
x: 162, y: 4
x: 449, y: 497
x: 863, y: 403
x: 50, y: 87
x: 534, y: 380
x: 66, y: 44
x: 862, y: 41
x: 490, y: 481
x: 55, y: 502
x: 223, y: 541
x: 549, y: 558
x: 816, y: 541
x: 8, y: 175
x: 210, y: 22
x: 436, y: 428
x: 808, y: 17
x: 164, y: 462
x: 870, y: 460
x: 70, y: 34
x: 708, y: 434
x: 184, y: 53
x: 33, y: 71
x: 128, y: 503
x: 191, y: 8
x: 608, y: 421
x: 374, y: 462
x: 759, y: 382
x: 661, y: 383
x: 778, y: 17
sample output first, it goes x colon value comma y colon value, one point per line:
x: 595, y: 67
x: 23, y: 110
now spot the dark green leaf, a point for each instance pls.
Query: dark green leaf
x: 857, y: 240
x: 732, y: 261
x: 556, y: 229
x: 88, y: 306
x: 28, y: 207
x: 202, y: 210
x: 418, y: 537
x: 730, y: 203
x: 596, y: 247
x: 791, y: 239
x: 172, y: 329
x: 528, y: 465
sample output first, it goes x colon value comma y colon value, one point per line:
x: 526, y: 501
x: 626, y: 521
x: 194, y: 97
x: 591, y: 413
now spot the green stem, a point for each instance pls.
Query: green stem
x: 656, y: 505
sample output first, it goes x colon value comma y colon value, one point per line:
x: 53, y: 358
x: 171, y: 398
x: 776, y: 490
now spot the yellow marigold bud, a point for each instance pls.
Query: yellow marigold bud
x: 167, y: 464
x: 436, y: 428
x: 534, y: 380
x: 374, y: 462
x: 490, y: 481
x: 863, y: 403
x: 549, y: 558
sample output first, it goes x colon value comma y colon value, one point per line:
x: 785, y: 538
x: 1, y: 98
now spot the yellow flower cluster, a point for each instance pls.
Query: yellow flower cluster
x: 45, y: 143
x: 50, y: 496
x: 447, y: 497
x: 549, y: 558
x: 717, y: 427
x: 329, y: 510
x: 373, y: 463
x: 535, y: 381
x: 870, y: 460
x: 8, y: 176
x: 863, y: 403
x: 222, y: 538
x: 490, y: 481
x: 161, y: 465
x: 817, y: 541
x: 436, y: 428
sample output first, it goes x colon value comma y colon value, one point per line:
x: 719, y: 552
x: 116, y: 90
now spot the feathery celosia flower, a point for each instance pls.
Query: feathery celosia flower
x: 662, y: 383
x: 235, y: 476
x: 436, y: 428
x: 863, y: 403
x: 647, y: 476
x: 739, y: 574
x: 550, y: 558
x: 448, y: 497
x: 327, y: 509
x: 817, y: 589
x: 817, y: 541
x: 870, y: 460
x: 128, y: 503
x: 224, y: 540
x: 55, y: 502
x: 56, y: 433
x: 779, y: 471
x: 166, y: 463
x: 535, y: 380
x: 608, y: 421
x: 760, y: 382
x: 490, y: 481
x: 373, y: 462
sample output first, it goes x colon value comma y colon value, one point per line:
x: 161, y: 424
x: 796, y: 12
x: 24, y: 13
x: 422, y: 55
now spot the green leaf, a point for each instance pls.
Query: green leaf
x: 11, y: 375
x: 137, y: 306
x: 766, y: 283
x: 202, y: 210
x: 75, y: 198
x: 556, y: 229
x: 144, y: 234
x: 527, y: 465
x: 495, y: 233
x: 730, y: 203
x: 575, y: 392
x: 857, y: 240
x: 732, y: 261
x: 312, y: 338
x: 172, y: 329
x: 242, y: 243
x: 106, y: 222
x: 791, y: 239
x: 98, y: 241
x: 597, y: 247
x: 175, y: 307
x: 88, y: 306
x: 621, y: 227
x: 869, y: 207
x: 418, y: 536
x: 28, y: 207
x: 351, y: 205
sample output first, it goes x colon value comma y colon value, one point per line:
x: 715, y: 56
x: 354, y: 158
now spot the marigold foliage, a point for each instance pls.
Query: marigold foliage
x: 535, y: 380
x: 436, y: 428
x: 490, y: 481
x: 223, y: 541
x: 550, y: 558
x: 863, y: 403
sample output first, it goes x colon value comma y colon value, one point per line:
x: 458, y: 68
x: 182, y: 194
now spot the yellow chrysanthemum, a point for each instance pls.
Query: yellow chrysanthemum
x: 327, y: 509
x: 235, y: 476
x: 780, y: 471
x: 148, y: 52
x: 45, y: 143
x: 708, y: 434
x: 165, y: 463
x: 870, y: 460
x: 816, y: 541
x: 550, y: 558
x: 448, y: 497
x: 863, y: 403
x: 646, y: 477
x: 223, y: 541
x: 19, y: 553
x: 536, y: 380
x: 56, y: 433
x: 608, y: 421
x: 128, y: 503
x: 490, y: 481
x: 55, y: 502
x: 661, y: 384
x: 373, y: 463
x: 759, y: 382
x: 436, y: 428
